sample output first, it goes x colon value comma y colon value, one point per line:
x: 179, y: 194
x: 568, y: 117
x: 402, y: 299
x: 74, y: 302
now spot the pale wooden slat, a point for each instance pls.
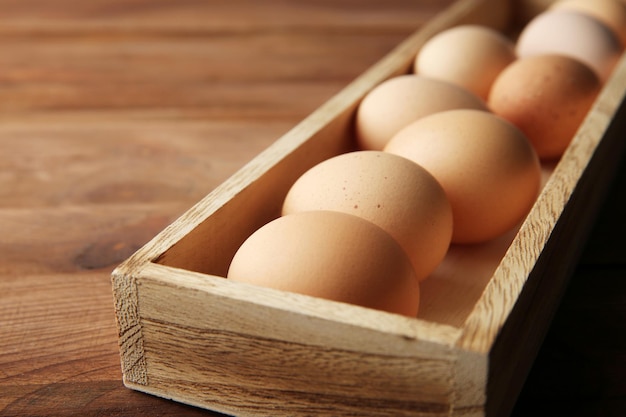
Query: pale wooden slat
x: 361, y: 355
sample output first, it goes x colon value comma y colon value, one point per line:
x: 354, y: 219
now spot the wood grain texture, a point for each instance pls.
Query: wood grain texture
x: 115, y: 117
x: 82, y: 89
x: 520, y: 296
x: 196, y: 16
x: 363, y: 363
x: 556, y: 198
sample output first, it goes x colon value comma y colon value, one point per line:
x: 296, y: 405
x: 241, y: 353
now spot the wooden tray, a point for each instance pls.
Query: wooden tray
x: 188, y: 334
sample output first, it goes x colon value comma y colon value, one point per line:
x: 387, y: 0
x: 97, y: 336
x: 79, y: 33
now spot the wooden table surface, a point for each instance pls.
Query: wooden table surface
x: 117, y: 115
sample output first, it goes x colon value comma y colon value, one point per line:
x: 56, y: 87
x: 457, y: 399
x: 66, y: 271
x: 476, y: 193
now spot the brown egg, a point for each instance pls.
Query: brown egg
x: 547, y: 97
x: 330, y: 255
x: 388, y: 190
x: 610, y: 12
x: 396, y: 102
x: 469, y: 56
x: 573, y: 34
x: 486, y: 165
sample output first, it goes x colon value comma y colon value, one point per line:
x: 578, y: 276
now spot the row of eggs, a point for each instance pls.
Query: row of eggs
x: 447, y: 155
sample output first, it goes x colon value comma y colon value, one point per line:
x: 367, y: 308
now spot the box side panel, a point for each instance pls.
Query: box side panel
x: 248, y: 359
x: 514, y: 313
x: 531, y: 317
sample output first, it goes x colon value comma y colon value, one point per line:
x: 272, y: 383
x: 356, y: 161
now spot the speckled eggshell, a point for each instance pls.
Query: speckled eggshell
x: 547, y: 97
x: 486, y: 165
x: 400, y: 100
x: 330, y: 255
x: 388, y: 190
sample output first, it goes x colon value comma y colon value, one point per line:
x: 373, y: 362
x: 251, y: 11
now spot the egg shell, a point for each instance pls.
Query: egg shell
x: 486, y: 165
x: 330, y: 255
x: 547, y: 97
x: 398, y: 101
x: 610, y: 12
x: 393, y: 192
x: 573, y: 34
x: 470, y: 56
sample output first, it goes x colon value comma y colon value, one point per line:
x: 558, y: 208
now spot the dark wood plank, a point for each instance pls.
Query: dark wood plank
x: 115, y: 117
x: 183, y: 17
x: 105, y: 159
x: 58, y: 350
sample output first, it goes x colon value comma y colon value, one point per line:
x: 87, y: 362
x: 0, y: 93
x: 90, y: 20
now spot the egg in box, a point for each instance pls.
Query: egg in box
x: 487, y: 167
x: 388, y: 190
x: 332, y: 255
x: 470, y: 56
x: 547, y: 96
x: 400, y: 100
x: 321, y: 245
x: 447, y: 155
x: 565, y: 55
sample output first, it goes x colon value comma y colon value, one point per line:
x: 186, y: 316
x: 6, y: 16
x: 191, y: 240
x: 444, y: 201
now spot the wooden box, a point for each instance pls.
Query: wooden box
x: 188, y: 334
